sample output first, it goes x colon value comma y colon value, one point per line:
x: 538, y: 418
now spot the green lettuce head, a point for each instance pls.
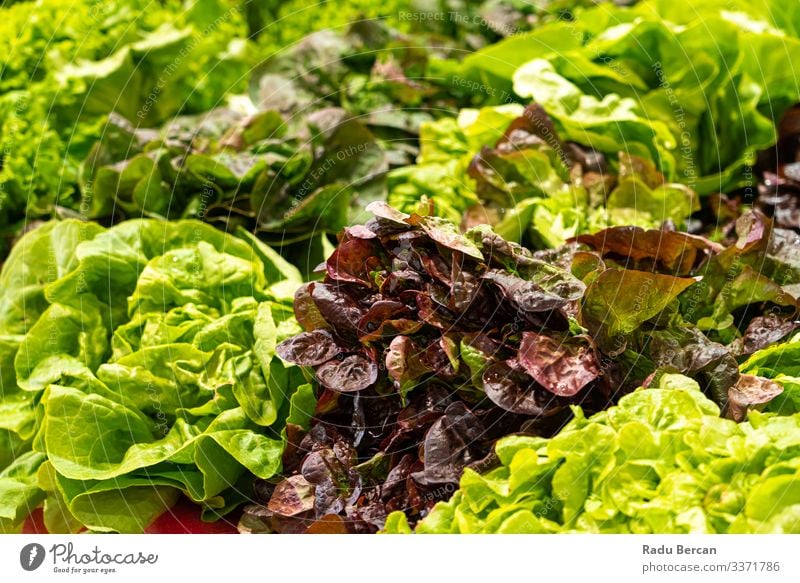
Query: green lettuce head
x: 138, y: 364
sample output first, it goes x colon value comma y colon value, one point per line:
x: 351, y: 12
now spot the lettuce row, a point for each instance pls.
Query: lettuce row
x: 660, y: 461
x: 651, y: 81
x: 138, y: 363
x: 67, y: 66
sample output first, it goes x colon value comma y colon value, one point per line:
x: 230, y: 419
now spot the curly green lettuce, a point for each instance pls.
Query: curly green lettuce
x: 661, y: 461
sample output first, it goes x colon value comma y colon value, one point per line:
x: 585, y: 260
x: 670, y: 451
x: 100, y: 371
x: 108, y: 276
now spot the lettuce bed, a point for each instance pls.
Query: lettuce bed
x: 577, y: 299
x: 137, y: 365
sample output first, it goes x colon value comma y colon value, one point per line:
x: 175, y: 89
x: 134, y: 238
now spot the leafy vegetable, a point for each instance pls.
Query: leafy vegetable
x: 727, y: 303
x: 417, y: 326
x: 661, y: 461
x: 420, y: 334
x: 629, y: 79
x: 531, y: 186
x: 138, y: 364
x: 67, y: 66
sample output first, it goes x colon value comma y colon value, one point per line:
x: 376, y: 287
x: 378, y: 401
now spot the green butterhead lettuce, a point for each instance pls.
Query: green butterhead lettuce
x: 139, y: 365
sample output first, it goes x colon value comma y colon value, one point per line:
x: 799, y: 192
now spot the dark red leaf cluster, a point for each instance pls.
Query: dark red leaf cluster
x: 427, y: 345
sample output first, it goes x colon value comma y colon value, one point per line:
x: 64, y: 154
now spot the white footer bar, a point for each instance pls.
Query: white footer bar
x: 389, y: 559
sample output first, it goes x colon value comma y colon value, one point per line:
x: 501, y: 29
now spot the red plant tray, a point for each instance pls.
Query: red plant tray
x: 183, y: 518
